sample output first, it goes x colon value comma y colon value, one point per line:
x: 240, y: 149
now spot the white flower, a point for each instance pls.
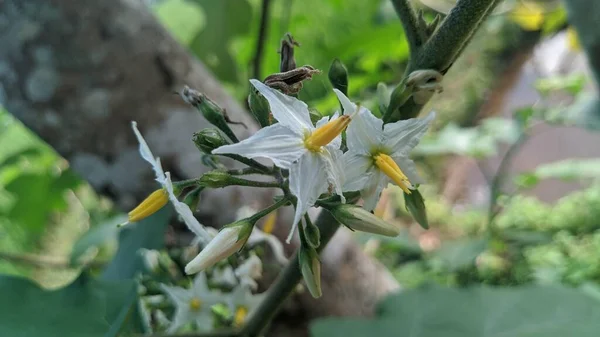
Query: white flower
x: 224, y: 276
x: 164, y: 179
x: 378, y: 154
x: 228, y: 241
x: 242, y: 303
x: 194, y: 304
x: 311, y: 154
x: 249, y: 271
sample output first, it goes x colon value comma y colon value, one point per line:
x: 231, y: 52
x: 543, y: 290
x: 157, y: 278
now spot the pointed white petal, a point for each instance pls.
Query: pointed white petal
x: 204, y: 321
x: 287, y: 110
x: 186, y: 213
x: 337, y: 141
x: 307, y: 181
x: 403, y: 136
x: 372, y: 192
x: 223, y: 245
x: 364, y: 132
x: 275, y: 142
x: 147, y: 154
x: 332, y: 160
x: 200, y: 284
x: 224, y: 276
x: 348, y: 106
x: 356, y: 168
x: 178, y: 295
x: 258, y: 236
x: 182, y: 317
x: 409, y: 168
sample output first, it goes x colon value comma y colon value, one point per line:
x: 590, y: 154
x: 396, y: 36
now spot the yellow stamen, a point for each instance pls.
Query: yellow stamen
x: 270, y: 221
x: 240, y: 316
x: 326, y: 133
x: 155, y: 201
x: 195, y: 304
x: 388, y: 166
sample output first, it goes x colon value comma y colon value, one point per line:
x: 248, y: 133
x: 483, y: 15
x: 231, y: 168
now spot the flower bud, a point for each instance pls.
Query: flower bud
x: 416, y: 206
x: 216, y: 179
x: 213, y: 113
x: 259, y: 106
x: 192, y: 199
x: 208, y: 139
x: 338, y: 76
x: 357, y: 218
x: 228, y: 241
x: 308, y: 258
x: 312, y: 235
x: 383, y: 97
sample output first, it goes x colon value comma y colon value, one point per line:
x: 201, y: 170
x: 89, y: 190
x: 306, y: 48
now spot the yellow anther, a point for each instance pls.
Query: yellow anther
x: 195, y: 304
x: 326, y: 133
x: 388, y: 166
x: 270, y: 221
x: 240, y: 316
x: 155, y: 201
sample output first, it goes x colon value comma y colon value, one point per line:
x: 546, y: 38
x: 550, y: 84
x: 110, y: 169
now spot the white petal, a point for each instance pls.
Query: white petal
x: 182, y: 317
x: 364, y: 132
x: 372, y: 192
x: 409, y: 168
x: 200, y: 284
x: 307, y: 181
x: 357, y: 170
x: 223, y: 245
x: 275, y: 142
x: 147, y: 154
x: 186, y: 213
x: 224, y: 276
x: 258, y: 236
x: 178, y: 295
x: 204, y: 320
x: 348, y: 106
x: 403, y: 136
x: 332, y: 160
x: 337, y: 141
x: 287, y: 110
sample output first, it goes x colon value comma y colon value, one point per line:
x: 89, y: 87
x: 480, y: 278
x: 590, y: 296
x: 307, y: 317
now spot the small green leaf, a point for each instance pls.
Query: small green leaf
x: 531, y: 311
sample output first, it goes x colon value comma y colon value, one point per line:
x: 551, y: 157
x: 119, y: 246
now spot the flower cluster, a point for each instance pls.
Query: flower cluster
x: 312, y: 166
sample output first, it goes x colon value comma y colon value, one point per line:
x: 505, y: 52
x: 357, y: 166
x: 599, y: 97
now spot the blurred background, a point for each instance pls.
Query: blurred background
x: 511, y: 162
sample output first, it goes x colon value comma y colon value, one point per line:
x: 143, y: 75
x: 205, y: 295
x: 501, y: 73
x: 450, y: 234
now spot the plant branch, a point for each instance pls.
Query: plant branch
x: 262, y: 35
x: 286, y: 282
x: 409, y: 21
x: 249, y: 162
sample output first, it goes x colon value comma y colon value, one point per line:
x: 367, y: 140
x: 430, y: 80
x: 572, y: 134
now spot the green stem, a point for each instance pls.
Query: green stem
x: 286, y: 282
x: 244, y: 171
x: 410, y: 24
x: 250, y: 162
x: 185, y: 183
x: 270, y: 209
x: 252, y: 183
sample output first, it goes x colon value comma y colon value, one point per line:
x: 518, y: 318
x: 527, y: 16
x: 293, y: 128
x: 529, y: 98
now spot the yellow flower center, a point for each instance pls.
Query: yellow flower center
x: 240, y: 316
x: 388, y: 166
x: 270, y: 221
x: 155, y: 201
x: 195, y: 304
x: 326, y: 133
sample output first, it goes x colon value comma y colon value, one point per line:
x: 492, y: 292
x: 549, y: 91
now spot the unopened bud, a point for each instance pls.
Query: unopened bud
x: 228, y: 241
x: 259, y: 106
x: 192, y: 199
x: 383, y: 97
x: 312, y: 235
x: 213, y: 113
x: 338, y: 76
x: 308, y: 258
x: 357, y: 218
x: 207, y: 140
x: 216, y: 179
x: 416, y: 206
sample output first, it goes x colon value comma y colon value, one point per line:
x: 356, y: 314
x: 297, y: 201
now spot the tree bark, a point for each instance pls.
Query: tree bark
x: 77, y: 72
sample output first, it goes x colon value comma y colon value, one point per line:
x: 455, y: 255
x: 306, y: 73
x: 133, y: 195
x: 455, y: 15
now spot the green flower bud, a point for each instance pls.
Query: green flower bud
x: 259, y: 106
x: 209, y: 109
x: 216, y: 179
x: 192, y: 199
x: 383, y: 97
x: 416, y: 206
x: 357, y: 218
x: 207, y: 140
x: 312, y: 235
x: 338, y: 76
x: 308, y: 258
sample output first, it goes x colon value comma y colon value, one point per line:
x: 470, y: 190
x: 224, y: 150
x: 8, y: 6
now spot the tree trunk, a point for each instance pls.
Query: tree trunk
x: 77, y: 72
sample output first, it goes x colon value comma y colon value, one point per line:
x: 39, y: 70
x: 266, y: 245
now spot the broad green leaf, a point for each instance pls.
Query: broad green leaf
x: 225, y: 19
x: 569, y: 169
x: 148, y: 233
x: 96, y: 236
x: 86, y: 307
x: 531, y: 311
x: 455, y: 255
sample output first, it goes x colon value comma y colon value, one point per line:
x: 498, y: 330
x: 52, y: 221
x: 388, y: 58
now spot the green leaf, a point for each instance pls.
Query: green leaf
x: 148, y: 233
x: 532, y: 311
x: 415, y: 204
x: 571, y: 84
x: 225, y: 19
x: 181, y: 17
x: 96, y: 236
x: 569, y: 169
x: 456, y: 255
x: 86, y: 307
